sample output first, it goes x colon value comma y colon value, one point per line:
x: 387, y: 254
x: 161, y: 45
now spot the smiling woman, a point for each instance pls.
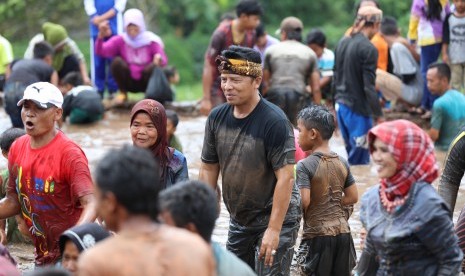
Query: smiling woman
x: 148, y: 131
x: 409, y: 230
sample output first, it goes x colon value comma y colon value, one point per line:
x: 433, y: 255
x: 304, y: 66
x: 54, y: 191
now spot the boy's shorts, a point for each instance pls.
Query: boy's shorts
x: 326, y: 255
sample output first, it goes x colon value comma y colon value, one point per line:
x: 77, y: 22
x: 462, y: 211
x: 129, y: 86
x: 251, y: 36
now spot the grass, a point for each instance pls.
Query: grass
x: 184, y: 92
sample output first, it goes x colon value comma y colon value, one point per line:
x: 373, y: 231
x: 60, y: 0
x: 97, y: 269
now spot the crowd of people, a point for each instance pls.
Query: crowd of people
x: 272, y: 106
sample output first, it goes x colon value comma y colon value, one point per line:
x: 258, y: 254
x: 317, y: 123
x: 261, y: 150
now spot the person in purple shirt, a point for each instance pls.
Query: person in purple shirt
x: 136, y: 53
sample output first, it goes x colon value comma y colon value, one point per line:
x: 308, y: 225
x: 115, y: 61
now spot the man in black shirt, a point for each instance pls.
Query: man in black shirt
x: 251, y: 142
x: 357, y: 101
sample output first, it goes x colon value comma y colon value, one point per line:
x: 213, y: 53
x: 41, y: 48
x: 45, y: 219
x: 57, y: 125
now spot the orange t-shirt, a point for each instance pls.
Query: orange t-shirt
x: 382, y: 47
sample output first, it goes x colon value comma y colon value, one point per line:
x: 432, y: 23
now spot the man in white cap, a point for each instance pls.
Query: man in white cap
x: 50, y: 183
x: 357, y: 102
x: 289, y: 67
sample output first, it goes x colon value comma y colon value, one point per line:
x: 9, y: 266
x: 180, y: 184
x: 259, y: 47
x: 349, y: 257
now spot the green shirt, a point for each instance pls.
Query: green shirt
x: 174, y: 143
x: 448, y: 117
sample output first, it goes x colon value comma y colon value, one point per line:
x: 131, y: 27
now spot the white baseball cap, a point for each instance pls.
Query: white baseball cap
x: 44, y: 94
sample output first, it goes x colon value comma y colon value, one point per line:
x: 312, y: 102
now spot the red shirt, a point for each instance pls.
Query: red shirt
x: 48, y: 182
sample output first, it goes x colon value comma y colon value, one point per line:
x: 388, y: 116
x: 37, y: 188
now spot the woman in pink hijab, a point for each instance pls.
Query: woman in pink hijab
x: 136, y: 53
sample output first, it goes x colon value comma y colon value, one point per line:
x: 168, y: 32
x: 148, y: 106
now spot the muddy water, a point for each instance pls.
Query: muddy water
x: 113, y: 132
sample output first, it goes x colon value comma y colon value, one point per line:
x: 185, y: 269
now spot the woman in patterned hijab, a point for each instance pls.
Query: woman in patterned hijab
x: 409, y: 230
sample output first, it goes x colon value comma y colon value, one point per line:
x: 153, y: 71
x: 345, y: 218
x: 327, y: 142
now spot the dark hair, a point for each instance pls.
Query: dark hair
x: 72, y: 78
x: 260, y: 30
x: 191, y: 202
x: 389, y: 26
x: 244, y: 53
x: 132, y: 175
x: 249, y: 7
x: 294, y: 35
x: 319, y: 118
x: 433, y: 9
x: 357, y: 6
x: 9, y: 136
x: 170, y: 71
x: 172, y: 116
x: 443, y: 69
x: 227, y: 16
x: 316, y: 36
x: 42, y: 49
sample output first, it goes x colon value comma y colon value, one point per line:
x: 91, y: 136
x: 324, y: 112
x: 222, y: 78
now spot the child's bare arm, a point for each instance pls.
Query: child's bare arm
x: 305, y: 196
x: 350, y: 195
x: 445, y: 52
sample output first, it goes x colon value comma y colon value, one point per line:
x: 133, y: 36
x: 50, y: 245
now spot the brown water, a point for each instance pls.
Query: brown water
x: 113, y: 132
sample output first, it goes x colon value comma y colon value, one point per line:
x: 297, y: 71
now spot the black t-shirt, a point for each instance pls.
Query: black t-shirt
x: 249, y: 150
x: 84, y: 98
x: 29, y: 71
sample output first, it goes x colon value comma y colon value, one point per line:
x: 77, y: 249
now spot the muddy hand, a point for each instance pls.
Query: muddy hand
x: 269, y: 246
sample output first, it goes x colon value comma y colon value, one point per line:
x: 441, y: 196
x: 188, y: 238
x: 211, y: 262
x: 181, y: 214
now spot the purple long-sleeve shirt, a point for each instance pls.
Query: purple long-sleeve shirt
x: 137, y: 58
x: 424, y: 31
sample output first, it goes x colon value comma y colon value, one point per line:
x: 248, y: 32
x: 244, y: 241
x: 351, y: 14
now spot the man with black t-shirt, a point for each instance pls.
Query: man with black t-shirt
x: 251, y: 142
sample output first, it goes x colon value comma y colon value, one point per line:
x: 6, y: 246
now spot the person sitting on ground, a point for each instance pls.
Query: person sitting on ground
x: 81, y: 103
x: 137, y: 52
x: 67, y: 56
x: 73, y: 242
x: 192, y: 205
x: 142, y: 246
x: 328, y: 190
x: 409, y: 230
x: 172, y: 121
x: 448, y: 110
x: 148, y: 131
x: 406, y: 82
x: 24, y: 72
x: 316, y: 40
x: 13, y: 233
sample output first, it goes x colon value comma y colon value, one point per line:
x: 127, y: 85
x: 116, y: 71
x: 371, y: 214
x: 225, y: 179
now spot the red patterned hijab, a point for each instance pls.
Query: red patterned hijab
x: 157, y: 113
x: 413, y: 151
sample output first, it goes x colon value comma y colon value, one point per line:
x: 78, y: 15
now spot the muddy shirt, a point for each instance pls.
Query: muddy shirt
x: 290, y: 64
x: 326, y: 175
x: 249, y: 151
x: 48, y: 182
x: 453, y: 171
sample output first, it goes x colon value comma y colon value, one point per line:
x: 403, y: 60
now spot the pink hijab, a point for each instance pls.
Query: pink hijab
x: 144, y: 38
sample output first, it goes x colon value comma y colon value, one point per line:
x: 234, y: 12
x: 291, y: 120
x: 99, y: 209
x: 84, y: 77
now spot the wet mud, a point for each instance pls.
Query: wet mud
x: 113, y: 132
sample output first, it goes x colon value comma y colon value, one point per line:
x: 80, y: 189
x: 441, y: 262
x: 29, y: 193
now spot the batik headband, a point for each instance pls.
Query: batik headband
x: 239, y: 67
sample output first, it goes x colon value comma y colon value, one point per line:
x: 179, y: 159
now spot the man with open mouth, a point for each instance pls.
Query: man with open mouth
x: 50, y: 183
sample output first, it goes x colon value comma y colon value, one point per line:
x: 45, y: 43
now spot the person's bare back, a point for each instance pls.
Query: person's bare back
x: 161, y: 251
